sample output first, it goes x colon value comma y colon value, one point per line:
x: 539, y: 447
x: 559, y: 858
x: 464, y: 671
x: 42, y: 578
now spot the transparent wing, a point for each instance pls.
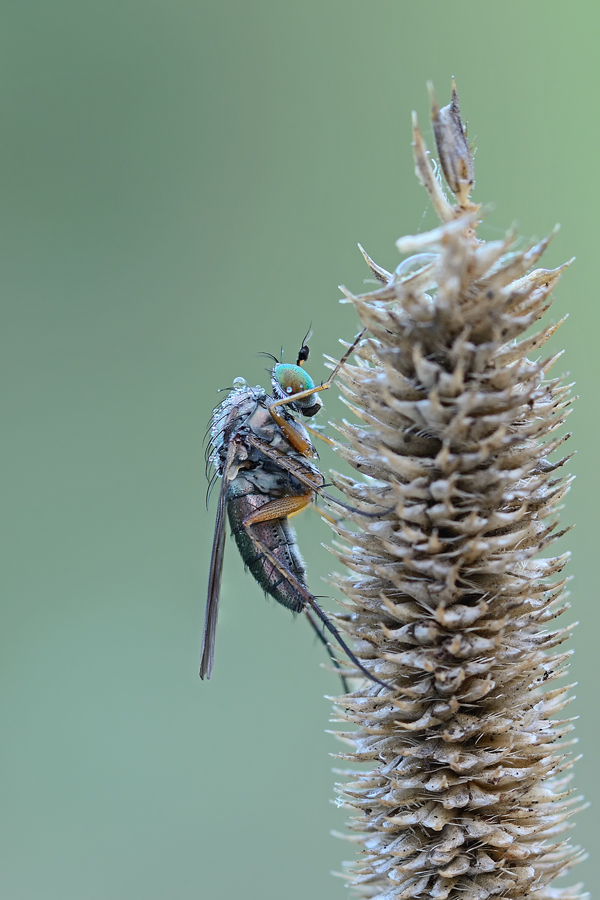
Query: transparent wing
x: 214, y: 585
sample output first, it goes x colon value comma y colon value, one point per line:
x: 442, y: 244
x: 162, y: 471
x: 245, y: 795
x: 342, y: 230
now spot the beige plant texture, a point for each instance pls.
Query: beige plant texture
x: 458, y: 775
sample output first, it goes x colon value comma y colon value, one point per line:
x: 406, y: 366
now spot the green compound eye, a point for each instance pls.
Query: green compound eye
x: 288, y: 380
x: 292, y: 380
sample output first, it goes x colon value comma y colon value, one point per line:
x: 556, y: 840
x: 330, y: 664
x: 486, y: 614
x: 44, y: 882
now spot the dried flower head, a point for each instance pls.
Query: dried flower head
x: 466, y: 790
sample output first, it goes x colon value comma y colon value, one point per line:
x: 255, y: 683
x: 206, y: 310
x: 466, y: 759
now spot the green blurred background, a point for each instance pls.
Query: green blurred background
x: 183, y: 185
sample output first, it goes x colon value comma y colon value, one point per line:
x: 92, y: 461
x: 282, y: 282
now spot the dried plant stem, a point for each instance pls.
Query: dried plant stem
x: 465, y: 793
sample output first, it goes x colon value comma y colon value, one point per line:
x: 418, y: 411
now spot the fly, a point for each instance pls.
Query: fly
x: 264, y: 458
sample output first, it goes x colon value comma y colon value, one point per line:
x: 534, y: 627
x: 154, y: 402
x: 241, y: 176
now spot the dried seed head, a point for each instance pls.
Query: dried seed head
x: 453, y: 149
x: 466, y: 790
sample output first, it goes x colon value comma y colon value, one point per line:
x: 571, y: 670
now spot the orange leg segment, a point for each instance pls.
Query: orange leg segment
x: 297, y: 442
x: 279, y: 509
x: 291, y: 435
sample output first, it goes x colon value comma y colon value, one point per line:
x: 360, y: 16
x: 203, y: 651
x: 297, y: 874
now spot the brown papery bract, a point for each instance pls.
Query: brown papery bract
x: 466, y: 789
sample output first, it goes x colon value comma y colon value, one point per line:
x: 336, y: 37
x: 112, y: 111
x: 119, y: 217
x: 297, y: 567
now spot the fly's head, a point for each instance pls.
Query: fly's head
x: 288, y: 379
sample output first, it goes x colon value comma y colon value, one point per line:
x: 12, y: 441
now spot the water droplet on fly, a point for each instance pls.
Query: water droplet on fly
x: 239, y: 382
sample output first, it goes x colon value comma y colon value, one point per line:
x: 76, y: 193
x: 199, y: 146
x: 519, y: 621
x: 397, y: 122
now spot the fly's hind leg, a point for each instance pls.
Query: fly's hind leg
x: 327, y: 645
x: 280, y: 508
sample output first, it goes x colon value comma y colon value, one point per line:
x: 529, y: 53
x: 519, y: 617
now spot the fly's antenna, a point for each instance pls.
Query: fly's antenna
x: 304, y: 349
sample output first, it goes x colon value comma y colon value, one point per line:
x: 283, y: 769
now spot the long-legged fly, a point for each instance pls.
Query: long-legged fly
x: 263, y: 456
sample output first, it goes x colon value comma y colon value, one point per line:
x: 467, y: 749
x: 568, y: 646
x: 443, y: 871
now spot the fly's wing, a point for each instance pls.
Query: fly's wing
x: 214, y: 584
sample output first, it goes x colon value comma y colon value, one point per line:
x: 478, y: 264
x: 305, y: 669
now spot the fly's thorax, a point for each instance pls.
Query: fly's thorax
x: 262, y: 424
x: 229, y: 417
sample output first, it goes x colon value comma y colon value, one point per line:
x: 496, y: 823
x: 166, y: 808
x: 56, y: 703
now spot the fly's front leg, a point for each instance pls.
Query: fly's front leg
x: 298, y: 442
x: 293, y: 437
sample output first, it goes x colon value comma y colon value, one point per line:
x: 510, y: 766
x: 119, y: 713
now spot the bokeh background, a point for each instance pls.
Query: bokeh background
x: 183, y: 185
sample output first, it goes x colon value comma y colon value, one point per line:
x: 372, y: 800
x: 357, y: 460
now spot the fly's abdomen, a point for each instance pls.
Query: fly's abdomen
x: 279, y: 538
